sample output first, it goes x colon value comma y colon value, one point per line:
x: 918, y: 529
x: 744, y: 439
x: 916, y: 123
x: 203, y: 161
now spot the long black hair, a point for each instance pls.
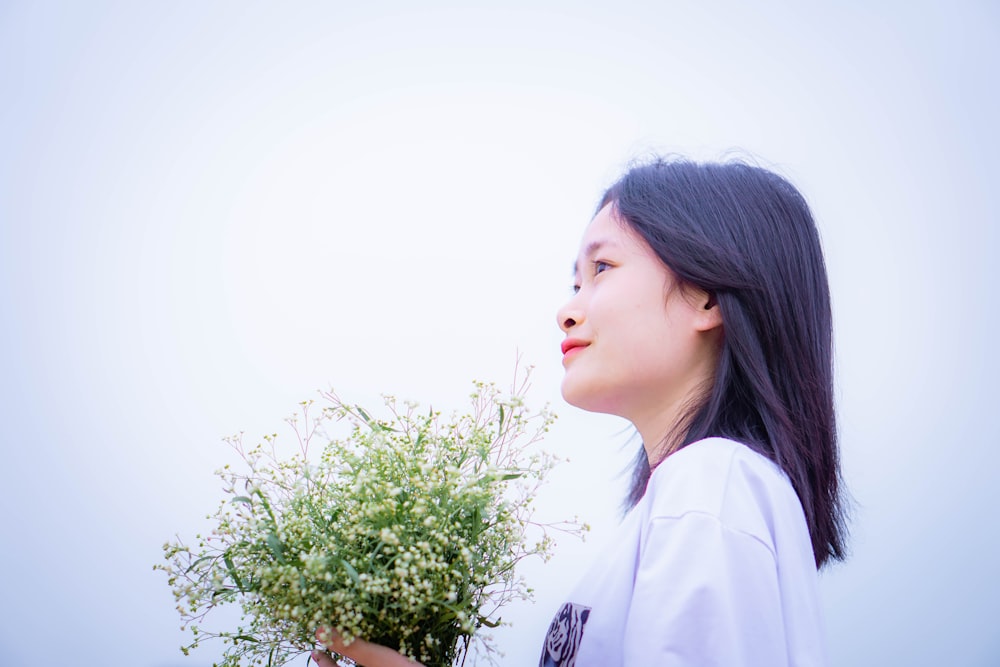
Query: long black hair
x: 745, y: 235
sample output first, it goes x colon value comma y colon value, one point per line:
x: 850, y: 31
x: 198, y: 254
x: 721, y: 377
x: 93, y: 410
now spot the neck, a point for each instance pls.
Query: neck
x: 663, y: 425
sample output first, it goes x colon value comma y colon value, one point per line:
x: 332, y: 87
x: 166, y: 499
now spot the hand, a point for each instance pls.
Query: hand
x: 362, y: 652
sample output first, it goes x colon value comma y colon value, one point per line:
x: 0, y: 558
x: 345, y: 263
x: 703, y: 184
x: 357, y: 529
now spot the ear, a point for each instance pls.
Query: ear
x: 707, y: 316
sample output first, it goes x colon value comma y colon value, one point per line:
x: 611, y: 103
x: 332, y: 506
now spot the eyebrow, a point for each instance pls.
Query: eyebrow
x: 590, y: 251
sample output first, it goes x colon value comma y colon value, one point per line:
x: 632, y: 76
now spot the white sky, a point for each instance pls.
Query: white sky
x: 208, y: 211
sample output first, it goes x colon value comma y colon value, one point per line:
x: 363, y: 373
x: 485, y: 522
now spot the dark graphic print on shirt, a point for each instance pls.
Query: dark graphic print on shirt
x: 563, y: 639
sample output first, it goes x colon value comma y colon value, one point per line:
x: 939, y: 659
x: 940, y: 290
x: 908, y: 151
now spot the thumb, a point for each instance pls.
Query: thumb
x: 360, y: 651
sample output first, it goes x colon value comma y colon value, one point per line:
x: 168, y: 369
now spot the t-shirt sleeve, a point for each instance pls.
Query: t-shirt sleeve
x: 704, y: 595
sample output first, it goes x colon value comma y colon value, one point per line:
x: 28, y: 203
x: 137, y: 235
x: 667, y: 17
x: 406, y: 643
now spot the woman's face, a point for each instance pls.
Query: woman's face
x: 637, y: 344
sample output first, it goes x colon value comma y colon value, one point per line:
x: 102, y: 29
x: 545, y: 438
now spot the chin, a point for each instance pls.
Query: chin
x: 585, y: 396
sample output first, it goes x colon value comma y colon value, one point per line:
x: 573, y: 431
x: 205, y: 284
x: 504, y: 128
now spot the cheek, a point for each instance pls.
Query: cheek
x: 597, y: 377
x: 637, y: 351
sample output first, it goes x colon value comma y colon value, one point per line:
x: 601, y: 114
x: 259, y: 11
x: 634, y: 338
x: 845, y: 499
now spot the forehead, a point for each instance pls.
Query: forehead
x: 607, y: 231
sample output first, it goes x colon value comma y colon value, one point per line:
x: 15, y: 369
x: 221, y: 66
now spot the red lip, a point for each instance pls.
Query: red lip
x: 571, y: 343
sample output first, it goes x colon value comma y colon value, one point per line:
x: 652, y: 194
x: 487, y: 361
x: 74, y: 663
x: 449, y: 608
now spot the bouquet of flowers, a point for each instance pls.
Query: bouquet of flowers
x: 405, y: 530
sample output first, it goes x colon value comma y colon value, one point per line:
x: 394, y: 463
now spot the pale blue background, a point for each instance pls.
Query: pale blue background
x: 210, y: 210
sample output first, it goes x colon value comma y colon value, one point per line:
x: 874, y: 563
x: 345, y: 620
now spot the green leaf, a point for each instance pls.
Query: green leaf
x: 510, y: 476
x: 488, y: 623
x: 246, y: 638
x: 226, y: 594
x: 375, y: 553
x: 277, y: 548
x: 242, y: 499
x: 266, y: 504
x: 454, y: 610
x: 197, y: 563
x: 477, y: 522
x: 351, y: 572
x: 500, y: 427
x: 364, y: 415
x: 232, y: 571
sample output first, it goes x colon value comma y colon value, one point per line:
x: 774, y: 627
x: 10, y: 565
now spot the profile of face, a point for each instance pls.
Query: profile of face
x: 638, y: 343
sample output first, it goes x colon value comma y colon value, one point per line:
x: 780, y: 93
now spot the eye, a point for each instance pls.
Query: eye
x: 597, y: 267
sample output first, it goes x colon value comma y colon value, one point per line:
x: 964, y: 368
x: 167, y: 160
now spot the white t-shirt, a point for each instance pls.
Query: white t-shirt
x: 713, y: 567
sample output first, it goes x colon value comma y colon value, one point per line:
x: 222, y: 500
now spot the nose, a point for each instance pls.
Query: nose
x: 570, y: 315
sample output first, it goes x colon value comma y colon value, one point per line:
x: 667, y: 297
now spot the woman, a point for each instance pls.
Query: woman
x: 701, y: 314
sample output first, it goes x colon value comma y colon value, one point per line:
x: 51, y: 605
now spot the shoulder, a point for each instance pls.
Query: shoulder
x: 704, y: 475
x: 725, y: 480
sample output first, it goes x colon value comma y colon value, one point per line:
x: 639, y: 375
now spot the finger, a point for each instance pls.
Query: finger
x: 331, y: 639
x: 323, y: 659
x: 376, y: 655
x: 361, y: 652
